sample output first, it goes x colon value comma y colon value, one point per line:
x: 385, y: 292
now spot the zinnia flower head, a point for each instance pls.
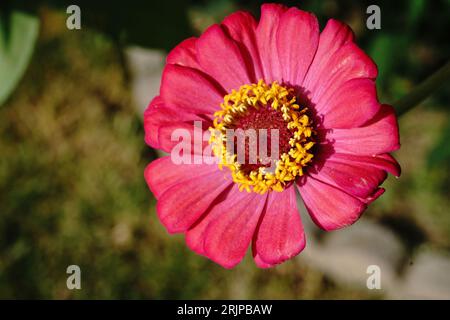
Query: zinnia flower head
x: 316, y: 89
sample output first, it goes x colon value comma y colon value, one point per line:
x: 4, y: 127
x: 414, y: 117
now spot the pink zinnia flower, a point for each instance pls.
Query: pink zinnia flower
x: 316, y: 88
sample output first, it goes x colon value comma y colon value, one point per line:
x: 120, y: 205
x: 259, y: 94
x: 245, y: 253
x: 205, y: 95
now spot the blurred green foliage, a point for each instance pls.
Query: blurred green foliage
x: 72, y: 156
x: 156, y: 24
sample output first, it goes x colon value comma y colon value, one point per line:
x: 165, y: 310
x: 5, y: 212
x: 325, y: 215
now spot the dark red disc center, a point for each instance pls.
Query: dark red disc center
x: 262, y: 118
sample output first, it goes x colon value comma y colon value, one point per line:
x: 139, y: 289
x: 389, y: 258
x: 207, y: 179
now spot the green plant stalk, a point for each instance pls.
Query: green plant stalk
x: 423, y: 90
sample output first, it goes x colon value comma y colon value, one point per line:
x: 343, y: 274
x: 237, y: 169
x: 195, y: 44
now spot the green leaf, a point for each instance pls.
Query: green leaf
x: 18, y: 34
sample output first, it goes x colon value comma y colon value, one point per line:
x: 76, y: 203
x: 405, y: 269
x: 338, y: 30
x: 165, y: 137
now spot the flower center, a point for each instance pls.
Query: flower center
x: 257, y: 118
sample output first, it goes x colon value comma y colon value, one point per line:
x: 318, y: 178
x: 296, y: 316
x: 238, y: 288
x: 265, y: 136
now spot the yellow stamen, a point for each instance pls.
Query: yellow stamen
x: 291, y: 164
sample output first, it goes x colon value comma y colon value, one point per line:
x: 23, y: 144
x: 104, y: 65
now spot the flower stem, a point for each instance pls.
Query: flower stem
x: 423, y: 90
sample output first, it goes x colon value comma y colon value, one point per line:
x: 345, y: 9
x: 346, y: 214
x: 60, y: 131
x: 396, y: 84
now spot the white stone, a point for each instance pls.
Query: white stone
x: 428, y: 277
x: 146, y: 67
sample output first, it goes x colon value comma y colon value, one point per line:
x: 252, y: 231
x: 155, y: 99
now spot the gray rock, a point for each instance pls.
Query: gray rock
x: 345, y: 255
x: 146, y: 67
x: 427, y: 278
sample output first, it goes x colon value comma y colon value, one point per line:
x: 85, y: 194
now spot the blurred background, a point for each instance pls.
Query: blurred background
x: 72, y: 157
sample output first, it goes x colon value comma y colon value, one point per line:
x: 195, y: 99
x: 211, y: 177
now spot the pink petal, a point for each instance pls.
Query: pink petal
x: 152, y: 116
x: 351, y: 105
x: 266, y: 33
x: 160, y: 122
x: 332, y: 38
x: 182, y: 204
x: 280, y: 234
x: 359, y: 180
x: 378, y: 136
x: 190, y: 90
x: 241, y: 26
x: 383, y: 162
x: 163, y: 173
x: 349, y: 62
x: 221, y: 58
x: 184, y: 54
x: 337, y: 60
x: 261, y: 263
x: 193, y: 140
x: 297, y: 41
x: 329, y: 207
x: 228, y: 237
x: 377, y: 193
x: 195, y: 236
x: 226, y: 231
